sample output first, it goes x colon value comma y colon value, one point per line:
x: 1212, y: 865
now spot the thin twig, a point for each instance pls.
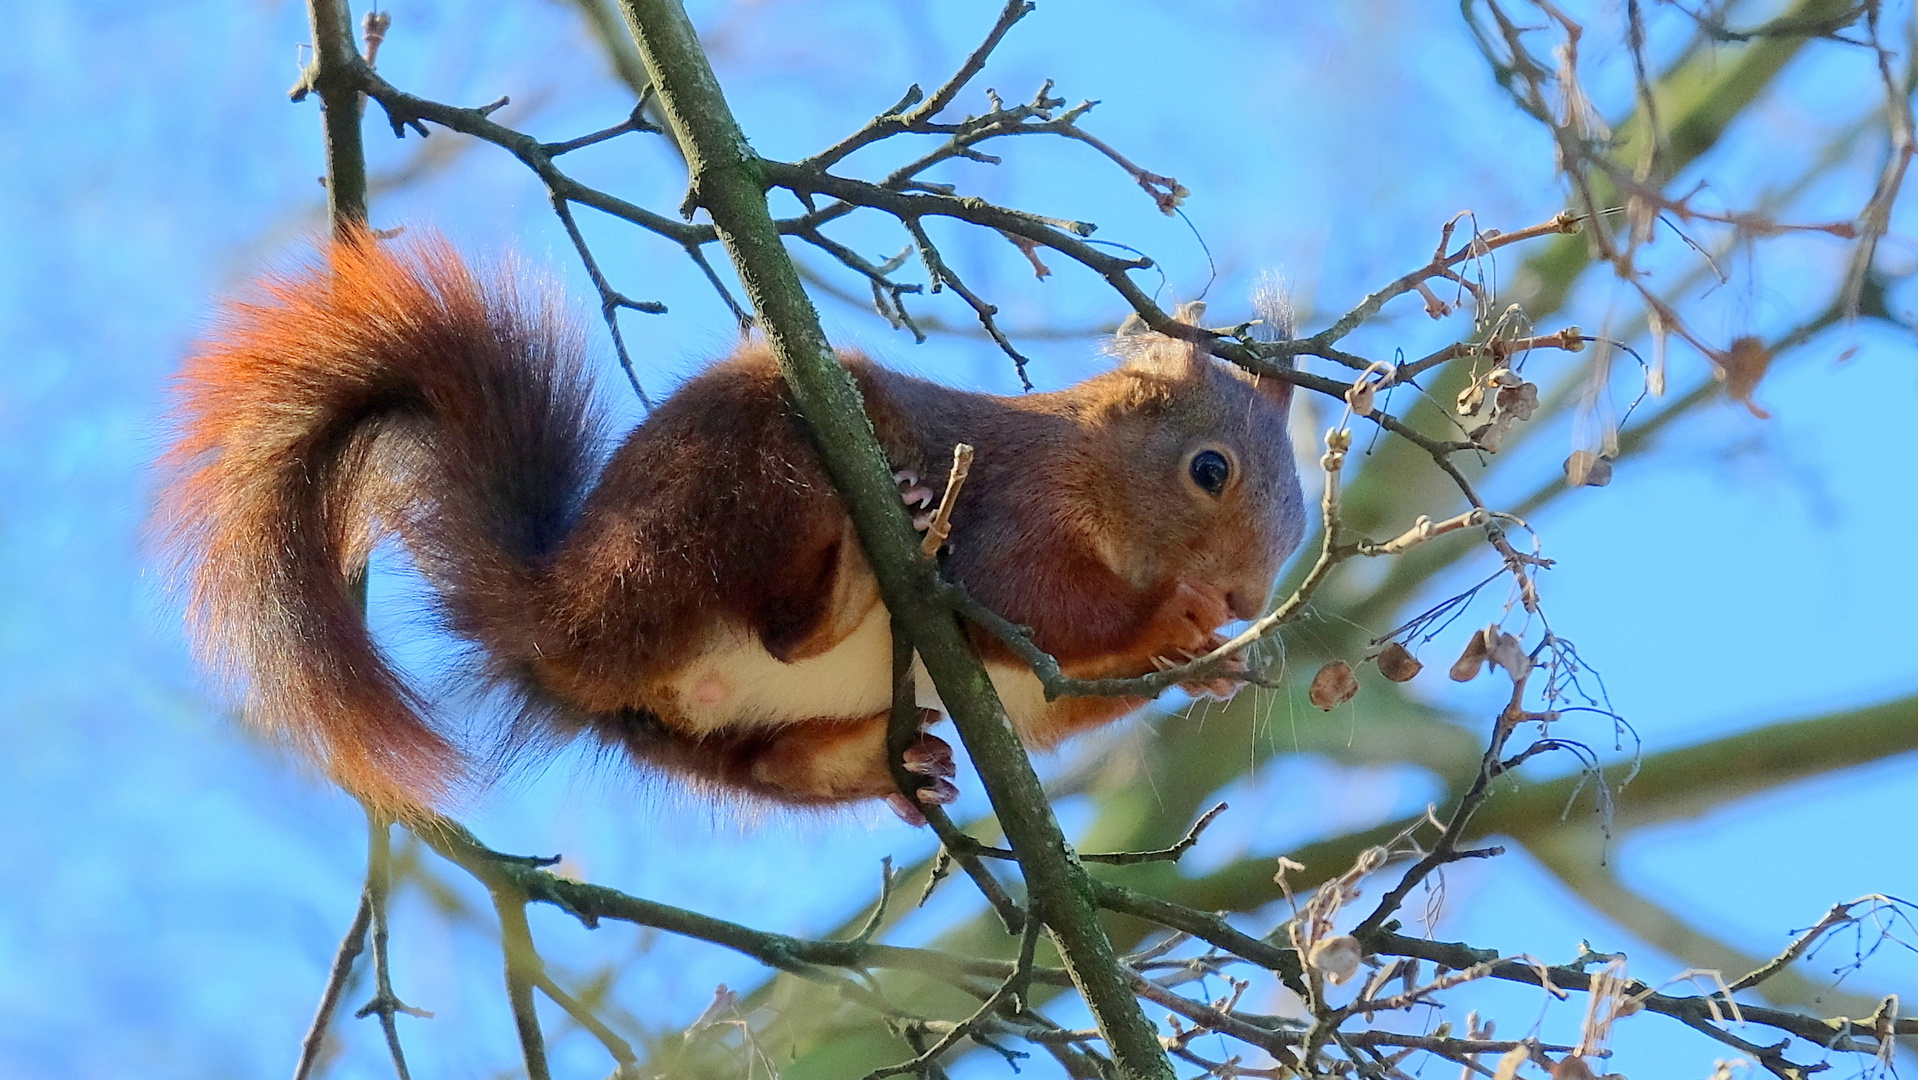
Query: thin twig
x: 590, y: 903
x: 1164, y: 854
x: 636, y: 122
x: 1839, y: 915
x: 349, y: 951
x: 1445, y: 849
x: 940, y: 527
x: 1012, y: 991
x: 942, y: 276
x: 523, y: 969
x: 384, y: 1004
x: 895, y: 120
x: 1836, y: 1033
x: 1479, y: 245
x: 619, y: 1048
x: 610, y: 299
x: 741, y: 317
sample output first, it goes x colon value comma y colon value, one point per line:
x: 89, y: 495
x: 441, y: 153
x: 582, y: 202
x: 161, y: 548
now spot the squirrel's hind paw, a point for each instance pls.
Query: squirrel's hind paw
x: 930, y: 757
x: 937, y: 793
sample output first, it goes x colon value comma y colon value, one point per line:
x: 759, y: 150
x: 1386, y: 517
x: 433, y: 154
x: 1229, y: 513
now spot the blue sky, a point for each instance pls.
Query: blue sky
x: 178, y: 888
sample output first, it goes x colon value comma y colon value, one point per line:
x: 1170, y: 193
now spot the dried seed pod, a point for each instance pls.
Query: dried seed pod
x: 1471, y: 399
x: 1508, y: 652
x: 1466, y: 667
x: 1333, y: 686
x: 1361, y: 396
x: 1742, y: 366
x: 1515, y: 1059
x: 1336, y: 958
x: 1586, y: 469
x: 1397, y: 663
x: 1490, y: 435
x: 1518, y: 402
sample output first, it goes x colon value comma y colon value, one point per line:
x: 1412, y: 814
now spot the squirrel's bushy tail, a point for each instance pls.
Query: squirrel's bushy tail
x: 382, y: 391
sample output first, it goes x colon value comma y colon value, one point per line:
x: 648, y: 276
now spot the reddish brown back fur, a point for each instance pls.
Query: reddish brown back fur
x: 715, y: 508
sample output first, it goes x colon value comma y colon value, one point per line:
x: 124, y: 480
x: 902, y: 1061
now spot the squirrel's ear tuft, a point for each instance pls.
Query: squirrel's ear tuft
x: 1165, y: 360
x: 1189, y: 313
x: 1272, y: 301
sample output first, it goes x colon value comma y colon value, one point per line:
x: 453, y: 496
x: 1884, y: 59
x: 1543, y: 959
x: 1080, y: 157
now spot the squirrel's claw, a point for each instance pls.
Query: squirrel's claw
x: 937, y: 793
x: 1219, y: 687
x: 916, y: 496
x: 930, y: 756
x: 911, y: 491
x: 907, y: 811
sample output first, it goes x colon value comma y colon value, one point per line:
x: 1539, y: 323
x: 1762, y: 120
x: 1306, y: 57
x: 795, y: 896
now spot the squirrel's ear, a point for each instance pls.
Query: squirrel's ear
x: 1164, y: 358
x: 1188, y: 313
x: 1147, y: 352
x: 1275, y: 390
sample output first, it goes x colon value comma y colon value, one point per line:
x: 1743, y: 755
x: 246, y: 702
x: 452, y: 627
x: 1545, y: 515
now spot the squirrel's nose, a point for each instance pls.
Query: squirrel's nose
x: 1204, y: 609
x: 1245, y: 603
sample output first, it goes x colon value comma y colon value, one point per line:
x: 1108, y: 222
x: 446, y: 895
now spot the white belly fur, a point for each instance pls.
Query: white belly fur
x: 735, y: 683
x: 1019, y: 691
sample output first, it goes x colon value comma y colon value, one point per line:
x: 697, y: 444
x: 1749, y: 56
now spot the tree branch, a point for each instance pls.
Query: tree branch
x: 728, y: 181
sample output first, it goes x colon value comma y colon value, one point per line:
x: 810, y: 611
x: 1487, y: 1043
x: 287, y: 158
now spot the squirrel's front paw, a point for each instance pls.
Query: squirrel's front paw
x: 917, y: 497
x: 1219, y: 687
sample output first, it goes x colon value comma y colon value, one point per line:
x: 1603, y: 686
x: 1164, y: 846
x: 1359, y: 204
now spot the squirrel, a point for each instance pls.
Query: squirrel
x: 702, y: 602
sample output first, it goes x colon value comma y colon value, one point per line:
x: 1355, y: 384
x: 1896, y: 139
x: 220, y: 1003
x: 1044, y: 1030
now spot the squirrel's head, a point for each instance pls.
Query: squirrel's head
x: 1200, y: 465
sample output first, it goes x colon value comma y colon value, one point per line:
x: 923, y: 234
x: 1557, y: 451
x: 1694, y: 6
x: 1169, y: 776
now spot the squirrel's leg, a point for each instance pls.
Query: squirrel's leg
x: 843, y: 760
x: 806, y: 763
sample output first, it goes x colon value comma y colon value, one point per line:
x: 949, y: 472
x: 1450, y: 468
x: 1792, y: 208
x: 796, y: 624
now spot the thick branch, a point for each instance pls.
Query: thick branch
x: 729, y: 181
x: 333, y: 75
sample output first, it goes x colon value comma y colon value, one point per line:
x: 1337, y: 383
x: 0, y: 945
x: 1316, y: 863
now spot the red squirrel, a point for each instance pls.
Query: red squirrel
x: 703, y: 603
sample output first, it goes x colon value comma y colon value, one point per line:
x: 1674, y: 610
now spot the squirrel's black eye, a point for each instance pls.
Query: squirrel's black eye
x: 1210, y: 470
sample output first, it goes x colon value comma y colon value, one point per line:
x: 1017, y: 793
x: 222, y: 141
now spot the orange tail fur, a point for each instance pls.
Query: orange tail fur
x: 380, y: 392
